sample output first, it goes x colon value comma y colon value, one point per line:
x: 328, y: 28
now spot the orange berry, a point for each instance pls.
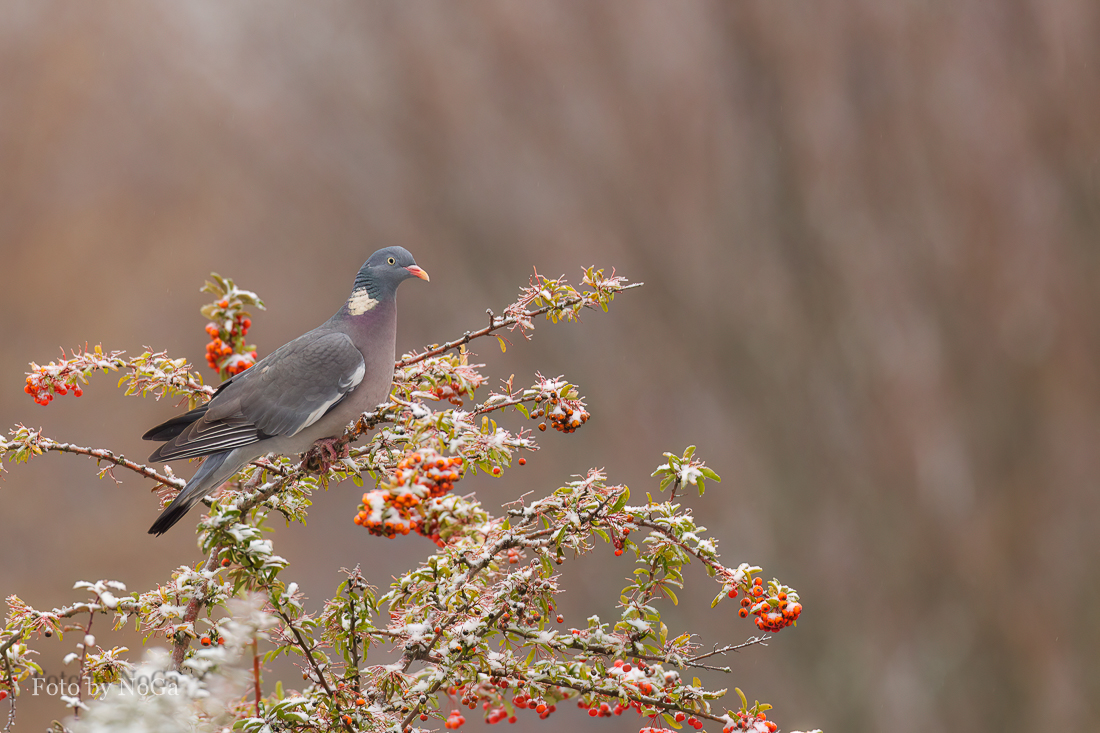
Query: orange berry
x: 223, y: 303
x: 522, y: 461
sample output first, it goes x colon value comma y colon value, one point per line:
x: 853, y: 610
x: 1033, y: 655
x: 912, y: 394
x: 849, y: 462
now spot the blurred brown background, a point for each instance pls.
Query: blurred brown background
x: 868, y: 233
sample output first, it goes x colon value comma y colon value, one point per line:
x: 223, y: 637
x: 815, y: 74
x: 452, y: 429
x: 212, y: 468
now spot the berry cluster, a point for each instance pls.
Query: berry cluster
x: 208, y: 640
x: 398, y: 507
x: 490, y: 695
x: 775, y: 608
x: 227, y: 353
x: 564, y: 415
x: 648, y: 679
x: 619, y: 541
x: 451, y: 391
x: 43, y: 382
x: 692, y: 721
x: 43, y: 389
x: 540, y: 706
x: 454, y: 720
x: 747, y: 721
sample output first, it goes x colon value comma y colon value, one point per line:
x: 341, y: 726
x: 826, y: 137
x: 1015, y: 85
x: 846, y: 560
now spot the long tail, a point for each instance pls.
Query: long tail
x: 213, y: 472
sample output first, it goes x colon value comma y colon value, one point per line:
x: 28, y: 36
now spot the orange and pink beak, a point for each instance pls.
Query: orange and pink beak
x: 420, y: 273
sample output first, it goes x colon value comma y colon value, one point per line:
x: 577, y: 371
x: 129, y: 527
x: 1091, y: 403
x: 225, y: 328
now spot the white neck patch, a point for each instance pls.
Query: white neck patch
x: 360, y: 302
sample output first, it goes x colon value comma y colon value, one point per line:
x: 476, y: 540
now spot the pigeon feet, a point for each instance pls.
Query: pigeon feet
x: 325, y: 452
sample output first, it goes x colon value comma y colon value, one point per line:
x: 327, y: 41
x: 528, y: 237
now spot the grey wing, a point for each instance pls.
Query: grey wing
x: 294, y: 389
x: 282, y: 394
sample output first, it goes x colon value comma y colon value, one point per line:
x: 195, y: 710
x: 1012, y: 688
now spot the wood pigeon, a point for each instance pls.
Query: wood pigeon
x: 305, y: 391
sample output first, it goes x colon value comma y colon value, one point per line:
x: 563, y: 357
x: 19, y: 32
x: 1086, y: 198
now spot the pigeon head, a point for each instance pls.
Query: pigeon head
x: 379, y: 277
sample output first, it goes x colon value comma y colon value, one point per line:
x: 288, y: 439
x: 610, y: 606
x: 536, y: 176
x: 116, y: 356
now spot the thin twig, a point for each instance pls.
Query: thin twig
x: 83, y: 664
x: 102, y: 454
x: 256, y: 672
x: 497, y: 324
x: 307, y: 650
x: 751, y: 641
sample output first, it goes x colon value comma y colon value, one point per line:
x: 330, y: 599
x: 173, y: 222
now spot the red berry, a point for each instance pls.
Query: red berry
x: 522, y: 461
x: 618, y: 552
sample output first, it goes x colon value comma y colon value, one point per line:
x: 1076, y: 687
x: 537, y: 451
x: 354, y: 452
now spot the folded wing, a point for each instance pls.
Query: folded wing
x: 282, y: 394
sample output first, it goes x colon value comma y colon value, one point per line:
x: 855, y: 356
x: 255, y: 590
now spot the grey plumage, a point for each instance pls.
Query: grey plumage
x: 304, y: 391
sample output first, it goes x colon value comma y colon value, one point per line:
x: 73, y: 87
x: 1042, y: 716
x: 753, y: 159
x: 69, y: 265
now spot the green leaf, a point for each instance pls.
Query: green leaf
x: 710, y: 474
x: 671, y: 596
x: 621, y: 501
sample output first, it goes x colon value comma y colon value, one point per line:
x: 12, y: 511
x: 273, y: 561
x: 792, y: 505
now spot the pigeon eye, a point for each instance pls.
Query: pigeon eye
x: 392, y: 261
